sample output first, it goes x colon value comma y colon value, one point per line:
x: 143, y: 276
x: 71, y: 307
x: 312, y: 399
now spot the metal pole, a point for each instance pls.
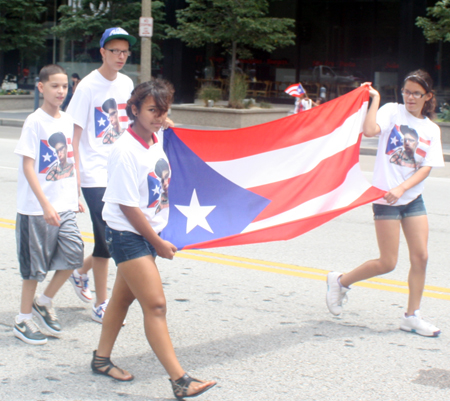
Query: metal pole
x: 36, y: 94
x: 146, y: 46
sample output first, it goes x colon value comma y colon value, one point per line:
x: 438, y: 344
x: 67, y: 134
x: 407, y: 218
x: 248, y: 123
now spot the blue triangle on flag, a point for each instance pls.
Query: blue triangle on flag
x: 235, y: 207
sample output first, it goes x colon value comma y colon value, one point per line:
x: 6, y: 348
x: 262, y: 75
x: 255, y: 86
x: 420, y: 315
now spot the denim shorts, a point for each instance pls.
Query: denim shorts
x: 386, y: 212
x: 125, y: 245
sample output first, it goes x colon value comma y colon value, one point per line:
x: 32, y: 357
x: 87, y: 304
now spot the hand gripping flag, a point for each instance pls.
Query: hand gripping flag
x: 268, y: 182
x: 295, y: 90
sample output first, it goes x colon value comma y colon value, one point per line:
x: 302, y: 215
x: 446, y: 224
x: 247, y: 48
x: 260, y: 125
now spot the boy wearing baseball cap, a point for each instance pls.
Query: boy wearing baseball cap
x: 91, y: 152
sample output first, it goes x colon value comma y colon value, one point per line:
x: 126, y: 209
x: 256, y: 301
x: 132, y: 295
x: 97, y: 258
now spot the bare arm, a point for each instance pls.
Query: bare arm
x: 370, y: 127
x: 393, y: 195
x: 50, y: 215
x: 163, y: 248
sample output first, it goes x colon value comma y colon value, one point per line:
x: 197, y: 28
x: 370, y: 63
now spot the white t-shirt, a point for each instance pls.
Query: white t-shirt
x: 405, y: 144
x: 135, y: 172
x: 98, y: 106
x: 41, y: 133
x: 302, y: 105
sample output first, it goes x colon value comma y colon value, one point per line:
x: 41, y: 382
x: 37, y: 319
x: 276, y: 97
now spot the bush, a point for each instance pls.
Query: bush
x: 444, y: 114
x: 239, y: 92
x: 209, y: 93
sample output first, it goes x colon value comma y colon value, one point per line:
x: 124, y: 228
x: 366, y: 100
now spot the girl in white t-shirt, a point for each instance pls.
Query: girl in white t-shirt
x: 409, y: 146
x: 134, y: 215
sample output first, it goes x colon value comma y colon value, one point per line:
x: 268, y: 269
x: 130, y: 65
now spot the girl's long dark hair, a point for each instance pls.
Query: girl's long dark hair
x: 422, y: 78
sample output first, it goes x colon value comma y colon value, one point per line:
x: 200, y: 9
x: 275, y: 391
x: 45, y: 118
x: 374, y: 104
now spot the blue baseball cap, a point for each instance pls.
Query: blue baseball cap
x: 116, y: 33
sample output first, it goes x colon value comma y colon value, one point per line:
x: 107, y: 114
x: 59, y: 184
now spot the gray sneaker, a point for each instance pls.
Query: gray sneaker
x: 28, y: 331
x: 47, y: 316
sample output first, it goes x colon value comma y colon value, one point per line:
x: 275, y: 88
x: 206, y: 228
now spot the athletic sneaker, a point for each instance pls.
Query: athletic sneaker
x: 336, y: 295
x: 80, y: 284
x: 47, y: 316
x: 99, y: 311
x: 29, y: 332
x: 416, y: 324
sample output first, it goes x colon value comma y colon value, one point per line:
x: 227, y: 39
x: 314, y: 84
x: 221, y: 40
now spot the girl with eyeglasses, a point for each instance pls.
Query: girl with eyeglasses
x: 409, y: 146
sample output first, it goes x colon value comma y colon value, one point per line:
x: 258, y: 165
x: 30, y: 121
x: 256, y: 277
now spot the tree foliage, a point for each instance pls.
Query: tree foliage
x: 20, y: 26
x: 237, y: 25
x: 436, y: 26
x: 88, y: 22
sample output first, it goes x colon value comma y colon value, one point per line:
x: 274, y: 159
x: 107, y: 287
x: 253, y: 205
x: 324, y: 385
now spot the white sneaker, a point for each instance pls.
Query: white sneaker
x: 99, y: 311
x: 416, y: 324
x: 80, y: 284
x: 336, y: 295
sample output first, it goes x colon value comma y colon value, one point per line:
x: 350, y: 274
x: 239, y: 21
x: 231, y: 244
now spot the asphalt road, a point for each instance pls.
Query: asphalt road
x: 252, y: 317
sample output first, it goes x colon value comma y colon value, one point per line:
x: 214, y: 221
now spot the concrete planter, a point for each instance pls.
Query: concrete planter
x: 191, y: 114
x: 17, y: 102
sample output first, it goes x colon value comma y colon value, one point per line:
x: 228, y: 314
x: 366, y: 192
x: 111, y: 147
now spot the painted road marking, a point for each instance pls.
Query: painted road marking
x: 377, y: 283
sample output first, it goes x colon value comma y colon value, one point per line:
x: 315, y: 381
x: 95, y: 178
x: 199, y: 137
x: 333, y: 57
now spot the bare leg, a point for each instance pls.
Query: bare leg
x: 143, y: 280
x: 57, y: 281
x: 115, y: 314
x: 388, y: 237
x: 100, y: 269
x: 28, y: 292
x: 87, y: 265
x: 416, y: 234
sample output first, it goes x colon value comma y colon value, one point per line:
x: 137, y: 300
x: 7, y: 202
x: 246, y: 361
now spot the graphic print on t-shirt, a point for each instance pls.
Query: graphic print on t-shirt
x: 158, y: 186
x: 110, y: 121
x: 154, y: 189
x: 406, y: 147
x: 53, y: 157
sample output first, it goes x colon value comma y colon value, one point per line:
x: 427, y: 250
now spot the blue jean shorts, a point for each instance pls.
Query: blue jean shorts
x: 125, y: 245
x: 386, y: 212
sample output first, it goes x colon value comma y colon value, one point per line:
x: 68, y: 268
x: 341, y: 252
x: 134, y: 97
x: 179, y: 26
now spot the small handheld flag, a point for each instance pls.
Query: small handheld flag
x: 296, y: 90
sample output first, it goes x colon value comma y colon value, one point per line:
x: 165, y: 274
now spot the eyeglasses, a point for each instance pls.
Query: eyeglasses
x: 118, y: 52
x: 415, y: 95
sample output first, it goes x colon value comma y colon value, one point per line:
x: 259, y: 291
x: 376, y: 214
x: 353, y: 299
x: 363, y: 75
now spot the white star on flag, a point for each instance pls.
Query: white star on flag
x: 156, y: 190
x: 46, y: 157
x: 196, y: 214
x: 101, y: 122
x: 394, y: 141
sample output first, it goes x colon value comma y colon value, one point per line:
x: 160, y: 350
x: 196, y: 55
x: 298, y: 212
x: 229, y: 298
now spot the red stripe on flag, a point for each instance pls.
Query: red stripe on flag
x: 421, y: 152
x: 121, y: 106
x: 326, y: 177
x: 123, y: 118
x: 289, y: 230
x: 213, y: 146
x: 70, y: 154
x: 425, y: 141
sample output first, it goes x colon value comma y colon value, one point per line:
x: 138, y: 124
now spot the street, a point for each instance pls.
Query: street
x: 252, y: 317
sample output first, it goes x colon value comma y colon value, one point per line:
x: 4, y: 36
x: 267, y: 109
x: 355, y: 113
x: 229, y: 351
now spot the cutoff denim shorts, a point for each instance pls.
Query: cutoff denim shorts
x: 386, y: 212
x: 125, y: 245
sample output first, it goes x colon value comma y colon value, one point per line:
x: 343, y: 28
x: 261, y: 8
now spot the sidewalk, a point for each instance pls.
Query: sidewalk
x: 368, y: 145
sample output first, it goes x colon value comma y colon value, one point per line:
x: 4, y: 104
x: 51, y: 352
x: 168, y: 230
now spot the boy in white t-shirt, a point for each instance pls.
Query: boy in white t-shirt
x: 98, y: 111
x: 47, y: 234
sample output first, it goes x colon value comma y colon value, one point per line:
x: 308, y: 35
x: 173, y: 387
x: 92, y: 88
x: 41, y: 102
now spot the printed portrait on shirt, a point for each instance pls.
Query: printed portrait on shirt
x: 61, y: 167
x: 110, y: 121
x: 405, y: 147
x: 158, y: 186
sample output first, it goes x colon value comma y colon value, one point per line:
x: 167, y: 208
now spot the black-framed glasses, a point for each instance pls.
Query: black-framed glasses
x: 118, y: 52
x: 415, y: 95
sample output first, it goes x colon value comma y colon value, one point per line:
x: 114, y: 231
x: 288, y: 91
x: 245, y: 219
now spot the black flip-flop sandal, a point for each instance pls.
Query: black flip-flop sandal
x: 180, y: 387
x: 99, y: 362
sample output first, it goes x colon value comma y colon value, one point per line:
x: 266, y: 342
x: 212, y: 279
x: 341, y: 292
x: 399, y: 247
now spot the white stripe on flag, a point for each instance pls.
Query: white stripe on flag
x: 351, y: 189
x: 281, y: 164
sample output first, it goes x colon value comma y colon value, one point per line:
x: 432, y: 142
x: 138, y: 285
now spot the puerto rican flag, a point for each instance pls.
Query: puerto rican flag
x: 295, y: 90
x: 395, y: 140
x: 102, y: 119
x: 47, y: 157
x: 269, y: 182
x: 154, y: 189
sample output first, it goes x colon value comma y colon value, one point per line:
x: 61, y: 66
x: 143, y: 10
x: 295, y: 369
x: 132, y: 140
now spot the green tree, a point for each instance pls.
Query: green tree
x: 436, y: 26
x: 20, y: 27
x: 88, y: 22
x: 238, y: 25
